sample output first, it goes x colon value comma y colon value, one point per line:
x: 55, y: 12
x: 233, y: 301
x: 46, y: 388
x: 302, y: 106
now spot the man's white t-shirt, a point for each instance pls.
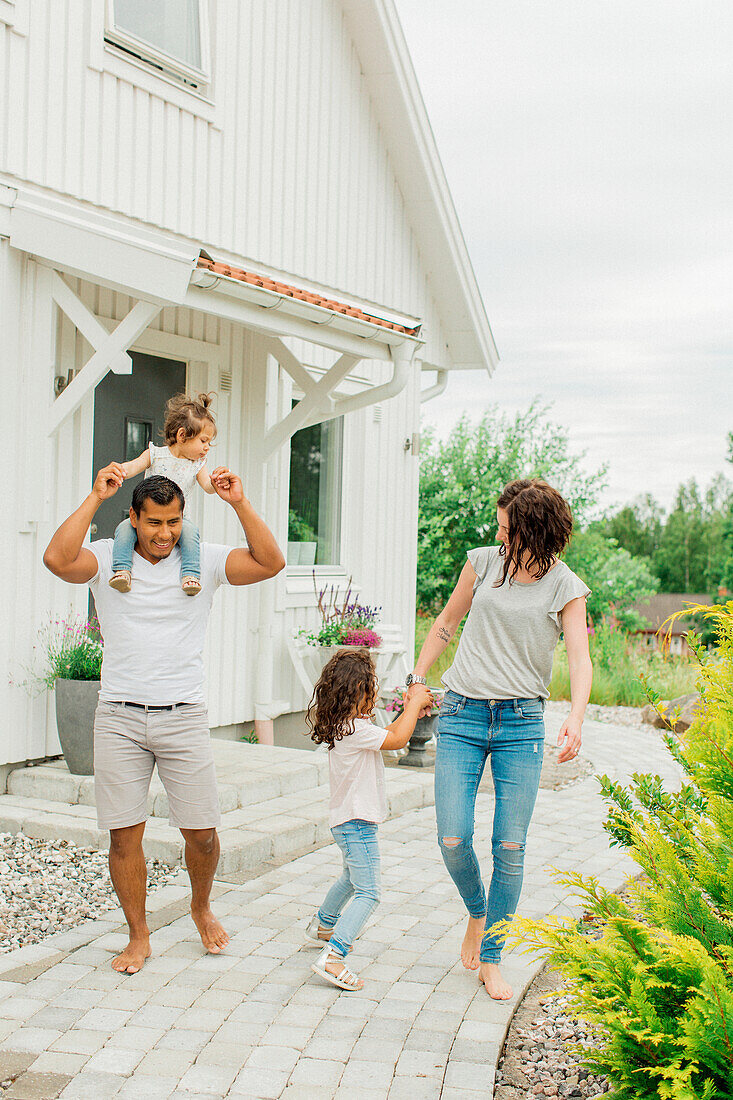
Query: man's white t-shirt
x: 154, y: 634
x: 356, y: 775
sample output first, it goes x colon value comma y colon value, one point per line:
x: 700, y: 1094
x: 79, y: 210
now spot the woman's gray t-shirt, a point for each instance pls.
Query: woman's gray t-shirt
x: 507, y: 644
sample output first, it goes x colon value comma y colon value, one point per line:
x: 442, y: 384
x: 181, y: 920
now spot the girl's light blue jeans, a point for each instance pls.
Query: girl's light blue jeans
x: 188, y: 543
x: 510, y: 734
x: 359, y: 885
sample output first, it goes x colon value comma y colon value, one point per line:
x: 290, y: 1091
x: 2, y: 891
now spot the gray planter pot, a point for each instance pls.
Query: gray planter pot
x: 424, y: 730
x: 76, y: 702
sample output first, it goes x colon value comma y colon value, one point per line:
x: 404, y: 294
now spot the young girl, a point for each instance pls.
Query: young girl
x: 189, y: 431
x: 340, y: 716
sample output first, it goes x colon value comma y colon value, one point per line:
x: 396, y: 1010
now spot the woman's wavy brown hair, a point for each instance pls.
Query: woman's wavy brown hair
x: 347, y: 687
x: 540, y: 526
x: 189, y: 413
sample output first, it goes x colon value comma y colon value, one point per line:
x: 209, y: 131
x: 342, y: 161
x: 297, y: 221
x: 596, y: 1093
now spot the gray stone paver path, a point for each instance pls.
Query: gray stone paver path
x: 256, y: 1022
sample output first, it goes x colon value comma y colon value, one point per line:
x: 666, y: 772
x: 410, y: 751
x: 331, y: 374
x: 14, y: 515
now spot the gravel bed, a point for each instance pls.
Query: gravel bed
x: 594, y: 712
x: 544, y: 1046
x: 52, y: 886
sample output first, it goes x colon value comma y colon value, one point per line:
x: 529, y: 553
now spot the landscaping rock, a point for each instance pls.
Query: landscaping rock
x: 688, y: 706
x: 52, y: 886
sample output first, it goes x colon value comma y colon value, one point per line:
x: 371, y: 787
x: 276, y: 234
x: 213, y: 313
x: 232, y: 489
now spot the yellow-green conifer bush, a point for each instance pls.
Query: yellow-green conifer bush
x: 655, y: 970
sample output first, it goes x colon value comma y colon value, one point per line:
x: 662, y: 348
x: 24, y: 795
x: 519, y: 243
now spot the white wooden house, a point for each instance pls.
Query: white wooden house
x: 287, y: 141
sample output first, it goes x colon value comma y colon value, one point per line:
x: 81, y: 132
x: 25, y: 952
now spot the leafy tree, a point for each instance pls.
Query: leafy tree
x: 692, y: 551
x: 461, y: 477
x: 637, y: 527
x: 616, y: 579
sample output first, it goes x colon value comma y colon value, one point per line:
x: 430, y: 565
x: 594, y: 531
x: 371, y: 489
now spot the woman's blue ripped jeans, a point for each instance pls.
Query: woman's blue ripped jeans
x: 510, y: 733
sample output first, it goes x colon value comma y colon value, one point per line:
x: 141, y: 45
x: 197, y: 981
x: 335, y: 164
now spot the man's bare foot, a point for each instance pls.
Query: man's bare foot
x: 471, y: 946
x: 213, y: 936
x: 495, y: 985
x: 132, y: 959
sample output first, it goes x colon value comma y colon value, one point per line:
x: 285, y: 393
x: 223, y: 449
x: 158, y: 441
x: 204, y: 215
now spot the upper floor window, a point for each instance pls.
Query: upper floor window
x: 169, y: 35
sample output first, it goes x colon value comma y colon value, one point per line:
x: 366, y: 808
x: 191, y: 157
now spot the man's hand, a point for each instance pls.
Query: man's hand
x: 570, y: 733
x: 227, y: 485
x: 108, y: 481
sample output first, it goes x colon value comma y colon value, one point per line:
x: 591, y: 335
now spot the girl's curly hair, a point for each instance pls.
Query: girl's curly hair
x: 540, y: 526
x: 347, y: 685
x: 189, y: 413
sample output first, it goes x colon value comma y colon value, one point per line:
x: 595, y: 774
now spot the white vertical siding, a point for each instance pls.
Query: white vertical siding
x: 291, y: 172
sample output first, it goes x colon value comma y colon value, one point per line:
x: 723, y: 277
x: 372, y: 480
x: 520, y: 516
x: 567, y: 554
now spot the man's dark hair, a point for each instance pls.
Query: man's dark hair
x: 161, y: 490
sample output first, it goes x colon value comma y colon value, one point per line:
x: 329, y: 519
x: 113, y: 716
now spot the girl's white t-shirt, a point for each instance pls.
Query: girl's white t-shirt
x: 181, y: 470
x: 356, y: 775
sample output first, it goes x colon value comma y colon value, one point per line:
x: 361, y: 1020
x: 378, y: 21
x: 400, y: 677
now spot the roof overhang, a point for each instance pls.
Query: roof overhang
x: 393, y: 88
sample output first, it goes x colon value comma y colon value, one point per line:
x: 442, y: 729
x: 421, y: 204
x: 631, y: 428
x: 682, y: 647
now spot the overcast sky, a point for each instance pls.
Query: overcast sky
x: 589, y: 148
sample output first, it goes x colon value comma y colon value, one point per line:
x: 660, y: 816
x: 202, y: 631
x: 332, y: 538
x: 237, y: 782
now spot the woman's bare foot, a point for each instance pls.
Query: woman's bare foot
x: 132, y: 959
x: 471, y: 946
x: 213, y: 936
x: 495, y: 985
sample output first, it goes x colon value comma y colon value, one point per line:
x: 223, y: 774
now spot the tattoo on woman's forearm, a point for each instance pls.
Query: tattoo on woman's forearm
x: 443, y: 634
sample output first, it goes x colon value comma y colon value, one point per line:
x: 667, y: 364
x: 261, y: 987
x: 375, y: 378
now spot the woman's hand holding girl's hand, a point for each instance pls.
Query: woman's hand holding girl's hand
x: 422, y: 696
x: 570, y: 733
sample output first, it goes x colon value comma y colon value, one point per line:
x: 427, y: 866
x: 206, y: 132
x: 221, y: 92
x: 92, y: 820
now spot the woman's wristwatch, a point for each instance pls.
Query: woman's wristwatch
x: 411, y: 679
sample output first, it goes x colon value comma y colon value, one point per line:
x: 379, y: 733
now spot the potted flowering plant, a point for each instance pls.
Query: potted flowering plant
x: 73, y: 651
x: 343, y: 622
x: 424, y: 727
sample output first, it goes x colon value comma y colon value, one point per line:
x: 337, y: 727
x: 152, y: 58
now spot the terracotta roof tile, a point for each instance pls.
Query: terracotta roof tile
x: 302, y: 295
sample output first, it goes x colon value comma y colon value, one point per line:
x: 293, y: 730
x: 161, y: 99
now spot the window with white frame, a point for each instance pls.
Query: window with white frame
x: 314, y: 516
x: 169, y: 35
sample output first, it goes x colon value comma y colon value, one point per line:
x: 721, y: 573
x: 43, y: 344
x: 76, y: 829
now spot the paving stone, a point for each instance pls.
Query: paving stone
x: 33, y: 1039
x: 13, y: 1062
x: 165, y: 1063
x: 364, y: 1075
x: 38, y: 1086
x: 470, y: 1075
x: 317, y: 1073
x: 424, y: 1088
x: 54, y: 1061
x: 115, y: 1060
x: 223, y: 1054
x: 208, y: 1080
x: 93, y: 1086
x: 259, y: 1083
x: 144, y: 1087
x: 421, y: 1063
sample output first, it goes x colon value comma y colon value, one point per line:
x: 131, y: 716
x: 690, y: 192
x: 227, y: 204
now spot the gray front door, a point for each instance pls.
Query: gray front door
x: 128, y: 414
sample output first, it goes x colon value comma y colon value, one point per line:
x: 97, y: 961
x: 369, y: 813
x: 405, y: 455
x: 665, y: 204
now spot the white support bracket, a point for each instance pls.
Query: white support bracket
x: 318, y: 403
x: 84, y: 320
x: 110, y: 347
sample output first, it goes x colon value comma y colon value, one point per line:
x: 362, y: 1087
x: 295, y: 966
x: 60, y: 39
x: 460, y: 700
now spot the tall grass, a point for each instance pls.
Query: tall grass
x: 617, y: 664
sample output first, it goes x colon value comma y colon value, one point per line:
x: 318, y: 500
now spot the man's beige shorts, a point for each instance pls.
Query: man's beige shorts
x: 128, y: 742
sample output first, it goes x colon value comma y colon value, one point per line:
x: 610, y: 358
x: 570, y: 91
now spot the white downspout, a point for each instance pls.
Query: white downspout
x: 435, y: 390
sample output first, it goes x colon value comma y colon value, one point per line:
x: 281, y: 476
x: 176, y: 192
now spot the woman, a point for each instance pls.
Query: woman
x: 519, y: 598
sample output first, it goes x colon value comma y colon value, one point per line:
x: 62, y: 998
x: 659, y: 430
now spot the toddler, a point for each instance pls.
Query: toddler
x: 339, y: 716
x: 189, y: 431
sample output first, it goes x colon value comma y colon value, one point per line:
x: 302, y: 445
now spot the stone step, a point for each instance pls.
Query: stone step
x: 282, y: 822
x: 246, y: 774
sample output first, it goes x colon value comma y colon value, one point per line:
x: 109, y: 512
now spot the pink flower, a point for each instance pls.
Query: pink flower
x: 363, y: 637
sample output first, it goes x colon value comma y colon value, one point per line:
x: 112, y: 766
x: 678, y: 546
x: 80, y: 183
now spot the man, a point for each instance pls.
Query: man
x: 151, y: 704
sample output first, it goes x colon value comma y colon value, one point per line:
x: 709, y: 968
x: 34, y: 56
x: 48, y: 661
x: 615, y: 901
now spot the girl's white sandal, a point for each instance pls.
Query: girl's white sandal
x: 191, y: 586
x: 344, y: 979
x: 312, y: 935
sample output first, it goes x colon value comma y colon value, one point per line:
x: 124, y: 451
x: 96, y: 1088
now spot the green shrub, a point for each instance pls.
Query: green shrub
x: 658, y: 979
x: 617, y: 666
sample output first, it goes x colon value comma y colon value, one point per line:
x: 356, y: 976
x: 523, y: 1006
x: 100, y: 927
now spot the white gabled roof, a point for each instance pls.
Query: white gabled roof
x: 390, y: 77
